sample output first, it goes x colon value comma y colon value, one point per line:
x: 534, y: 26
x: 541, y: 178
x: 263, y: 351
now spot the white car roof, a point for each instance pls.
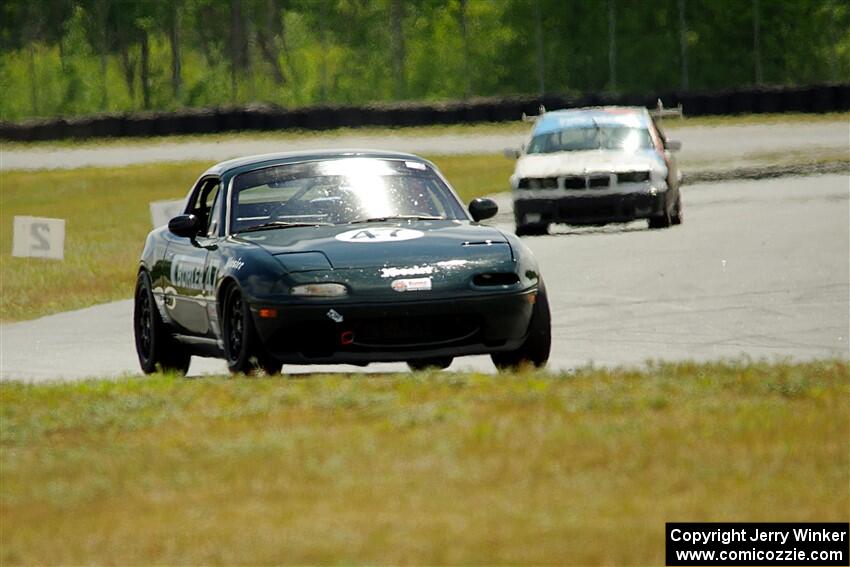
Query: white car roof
x: 622, y: 116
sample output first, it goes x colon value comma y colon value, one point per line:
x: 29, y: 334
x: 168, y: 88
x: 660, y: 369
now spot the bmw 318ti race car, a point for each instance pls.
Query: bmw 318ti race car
x: 593, y: 166
x: 335, y: 257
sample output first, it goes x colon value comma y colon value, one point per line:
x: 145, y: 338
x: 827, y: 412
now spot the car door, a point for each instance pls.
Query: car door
x: 212, y: 240
x: 188, y: 277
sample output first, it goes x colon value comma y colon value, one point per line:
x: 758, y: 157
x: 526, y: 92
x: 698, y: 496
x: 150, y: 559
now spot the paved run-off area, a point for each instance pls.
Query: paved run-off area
x: 758, y: 269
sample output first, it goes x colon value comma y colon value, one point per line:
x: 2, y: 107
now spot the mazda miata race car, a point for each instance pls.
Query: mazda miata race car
x: 593, y: 166
x: 335, y: 257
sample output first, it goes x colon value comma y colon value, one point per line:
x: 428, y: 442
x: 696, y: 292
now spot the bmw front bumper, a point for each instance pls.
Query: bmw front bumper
x: 587, y: 207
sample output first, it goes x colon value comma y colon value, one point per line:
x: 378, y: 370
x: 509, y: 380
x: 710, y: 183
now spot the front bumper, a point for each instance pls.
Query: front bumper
x: 589, y: 208
x: 323, y: 332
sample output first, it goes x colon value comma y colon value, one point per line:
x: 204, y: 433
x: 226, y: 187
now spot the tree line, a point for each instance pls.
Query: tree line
x: 67, y: 57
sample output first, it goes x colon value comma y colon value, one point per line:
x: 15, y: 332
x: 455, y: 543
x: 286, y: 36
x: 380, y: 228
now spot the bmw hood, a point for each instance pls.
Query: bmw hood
x: 591, y: 161
x: 382, y: 245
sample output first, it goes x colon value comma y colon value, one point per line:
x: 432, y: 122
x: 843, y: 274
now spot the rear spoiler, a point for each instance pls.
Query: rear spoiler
x: 660, y: 112
x: 527, y: 118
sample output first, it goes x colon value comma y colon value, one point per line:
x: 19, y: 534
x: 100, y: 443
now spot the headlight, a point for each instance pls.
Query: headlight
x: 319, y: 290
x: 659, y: 178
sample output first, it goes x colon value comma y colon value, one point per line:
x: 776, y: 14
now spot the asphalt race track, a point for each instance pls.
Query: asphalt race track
x: 758, y: 269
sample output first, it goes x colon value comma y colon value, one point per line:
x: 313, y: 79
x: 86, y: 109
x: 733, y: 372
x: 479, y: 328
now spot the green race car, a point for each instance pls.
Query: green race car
x: 335, y: 257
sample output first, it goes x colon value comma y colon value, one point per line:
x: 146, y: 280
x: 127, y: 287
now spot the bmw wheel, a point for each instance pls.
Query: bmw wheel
x: 664, y: 220
x: 156, y: 349
x: 676, y: 218
x: 538, y: 343
x: 242, y: 348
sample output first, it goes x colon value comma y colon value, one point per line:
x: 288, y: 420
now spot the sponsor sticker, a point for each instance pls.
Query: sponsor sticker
x: 187, y: 272
x: 379, y: 234
x: 452, y: 263
x: 412, y: 271
x: 412, y: 284
x: 334, y: 316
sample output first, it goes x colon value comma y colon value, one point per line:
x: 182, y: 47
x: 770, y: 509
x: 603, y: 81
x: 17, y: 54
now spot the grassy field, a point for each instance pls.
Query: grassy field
x: 107, y: 218
x: 425, y: 468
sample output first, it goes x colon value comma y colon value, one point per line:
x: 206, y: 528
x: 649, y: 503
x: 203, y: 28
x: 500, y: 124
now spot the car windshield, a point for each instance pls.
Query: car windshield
x: 340, y: 191
x: 591, y: 138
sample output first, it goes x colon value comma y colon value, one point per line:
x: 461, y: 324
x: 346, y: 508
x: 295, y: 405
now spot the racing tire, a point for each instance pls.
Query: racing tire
x: 532, y: 229
x: 242, y: 348
x: 664, y: 220
x: 156, y: 349
x: 538, y: 343
x: 676, y: 217
x: 440, y: 363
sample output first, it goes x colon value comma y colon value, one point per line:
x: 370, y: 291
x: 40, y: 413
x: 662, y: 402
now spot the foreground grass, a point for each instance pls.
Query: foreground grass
x: 107, y: 217
x: 426, y: 468
x: 517, y: 127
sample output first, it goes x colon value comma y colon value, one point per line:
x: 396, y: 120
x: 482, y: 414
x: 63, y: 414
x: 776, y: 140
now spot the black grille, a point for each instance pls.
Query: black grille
x: 389, y: 332
x: 599, y: 181
x: 575, y: 182
x: 538, y: 183
x: 317, y: 339
x: 632, y: 177
x: 593, y: 181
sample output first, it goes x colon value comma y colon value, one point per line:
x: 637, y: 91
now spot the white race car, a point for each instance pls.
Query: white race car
x: 593, y: 166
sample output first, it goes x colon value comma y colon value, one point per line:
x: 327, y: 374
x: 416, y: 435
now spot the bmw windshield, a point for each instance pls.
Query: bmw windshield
x: 591, y: 138
x: 340, y: 191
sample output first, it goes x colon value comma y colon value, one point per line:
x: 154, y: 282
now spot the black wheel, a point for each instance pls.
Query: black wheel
x: 664, y: 220
x: 535, y: 350
x: 242, y: 348
x: 156, y: 349
x: 676, y: 217
x: 532, y: 229
x: 440, y: 363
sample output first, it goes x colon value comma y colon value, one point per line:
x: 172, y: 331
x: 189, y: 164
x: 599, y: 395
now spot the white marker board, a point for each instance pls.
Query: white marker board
x: 164, y: 211
x: 38, y: 237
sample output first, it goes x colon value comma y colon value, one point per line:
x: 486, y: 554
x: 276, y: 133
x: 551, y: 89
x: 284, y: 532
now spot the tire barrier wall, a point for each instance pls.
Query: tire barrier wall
x: 810, y: 99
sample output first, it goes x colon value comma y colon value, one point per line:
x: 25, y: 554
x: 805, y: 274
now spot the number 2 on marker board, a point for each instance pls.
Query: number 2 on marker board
x: 37, y: 237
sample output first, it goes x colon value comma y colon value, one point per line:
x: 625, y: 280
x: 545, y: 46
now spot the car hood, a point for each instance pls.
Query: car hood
x: 381, y: 245
x: 579, y: 163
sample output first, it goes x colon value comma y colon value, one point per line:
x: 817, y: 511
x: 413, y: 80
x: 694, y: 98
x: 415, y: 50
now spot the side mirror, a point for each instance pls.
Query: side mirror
x: 186, y: 226
x: 512, y: 153
x: 673, y: 145
x: 482, y: 209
